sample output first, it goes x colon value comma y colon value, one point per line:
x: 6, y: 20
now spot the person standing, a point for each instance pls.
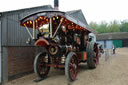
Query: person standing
x: 113, y: 48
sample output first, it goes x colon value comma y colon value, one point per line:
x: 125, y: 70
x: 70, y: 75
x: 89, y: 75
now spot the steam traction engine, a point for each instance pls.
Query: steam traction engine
x: 65, y: 39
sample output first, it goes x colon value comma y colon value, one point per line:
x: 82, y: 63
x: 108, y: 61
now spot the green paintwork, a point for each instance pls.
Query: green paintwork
x: 117, y: 43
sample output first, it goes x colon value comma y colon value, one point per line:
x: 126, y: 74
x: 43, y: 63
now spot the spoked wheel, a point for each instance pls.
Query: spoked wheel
x: 71, y: 66
x: 40, y: 65
x: 96, y: 57
x: 92, y: 55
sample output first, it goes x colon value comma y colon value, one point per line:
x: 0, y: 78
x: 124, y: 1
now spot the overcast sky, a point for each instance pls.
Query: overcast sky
x: 94, y: 10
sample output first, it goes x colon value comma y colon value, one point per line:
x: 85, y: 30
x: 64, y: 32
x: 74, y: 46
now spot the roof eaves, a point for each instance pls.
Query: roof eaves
x: 73, y: 11
x: 27, y: 9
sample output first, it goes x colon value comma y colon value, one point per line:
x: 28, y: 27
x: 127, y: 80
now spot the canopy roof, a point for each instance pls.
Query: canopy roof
x: 75, y: 16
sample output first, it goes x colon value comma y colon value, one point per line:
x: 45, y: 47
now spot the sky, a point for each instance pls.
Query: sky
x: 94, y: 10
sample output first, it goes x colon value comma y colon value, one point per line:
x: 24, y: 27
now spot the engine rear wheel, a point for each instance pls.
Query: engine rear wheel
x: 40, y: 65
x: 71, y: 66
x: 92, y: 55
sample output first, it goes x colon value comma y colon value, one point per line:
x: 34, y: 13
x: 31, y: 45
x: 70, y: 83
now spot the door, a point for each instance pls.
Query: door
x: 109, y: 44
x: 117, y: 43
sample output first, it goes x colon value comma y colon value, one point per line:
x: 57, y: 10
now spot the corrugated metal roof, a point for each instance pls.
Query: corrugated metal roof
x: 78, y: 15
x: 26, y: 9
x: 112, y: 36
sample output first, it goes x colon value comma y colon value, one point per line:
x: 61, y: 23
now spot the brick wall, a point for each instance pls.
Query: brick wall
x: 20, y: 60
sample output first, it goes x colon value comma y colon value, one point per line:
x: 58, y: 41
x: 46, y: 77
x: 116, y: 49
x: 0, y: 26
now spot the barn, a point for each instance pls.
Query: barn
x: 16, y: 57
x: 117, y: 39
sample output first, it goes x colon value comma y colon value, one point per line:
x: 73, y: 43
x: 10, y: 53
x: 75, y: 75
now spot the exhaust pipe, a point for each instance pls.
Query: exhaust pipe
x: 56, y: 4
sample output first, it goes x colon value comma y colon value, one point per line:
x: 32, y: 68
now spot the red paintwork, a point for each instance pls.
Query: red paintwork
x: 41, y: 42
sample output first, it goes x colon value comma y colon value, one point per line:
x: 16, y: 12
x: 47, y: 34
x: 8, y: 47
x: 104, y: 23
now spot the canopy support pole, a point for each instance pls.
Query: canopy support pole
x: 50, y: 26
x: 61, y: 20
x: 33, y: 30
x: 29, y: 32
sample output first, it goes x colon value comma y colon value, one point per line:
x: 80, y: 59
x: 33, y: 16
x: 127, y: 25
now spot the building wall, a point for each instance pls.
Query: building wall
x: 0, y: 55
x: 20, y: 60
x: 125, y: 43
x: 118, y: 43
x: 106, y: 43
x: 119, y: 39
x: 12, y: 33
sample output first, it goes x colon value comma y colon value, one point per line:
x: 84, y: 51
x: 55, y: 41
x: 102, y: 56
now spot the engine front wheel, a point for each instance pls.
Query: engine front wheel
x: 40, y: 65
x: 92, y: 55
x: 71, y: 66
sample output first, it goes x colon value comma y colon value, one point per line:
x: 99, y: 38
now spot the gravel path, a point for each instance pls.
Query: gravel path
x: 113, y: 71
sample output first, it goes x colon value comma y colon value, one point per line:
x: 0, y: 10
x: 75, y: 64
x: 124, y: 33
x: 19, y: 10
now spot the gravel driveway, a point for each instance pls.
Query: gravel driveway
x: 113, y: 71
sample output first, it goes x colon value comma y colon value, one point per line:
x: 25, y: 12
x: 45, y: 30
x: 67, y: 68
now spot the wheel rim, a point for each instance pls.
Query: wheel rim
x: 42, y: 67
x: 73, y: 68
x: 96, y: 58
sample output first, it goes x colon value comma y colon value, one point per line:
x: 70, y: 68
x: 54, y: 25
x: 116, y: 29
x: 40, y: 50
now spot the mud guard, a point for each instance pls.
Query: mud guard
x: 41, y: 42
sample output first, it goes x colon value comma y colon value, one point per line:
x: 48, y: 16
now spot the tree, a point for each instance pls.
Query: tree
x: 103, y: 27
x: 100, y: 28
x: 124, y: 26
x: 93, y: 25
x: 114, y: 26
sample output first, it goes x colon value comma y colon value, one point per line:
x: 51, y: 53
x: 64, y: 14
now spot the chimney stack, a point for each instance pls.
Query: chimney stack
x: 56, y: 4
